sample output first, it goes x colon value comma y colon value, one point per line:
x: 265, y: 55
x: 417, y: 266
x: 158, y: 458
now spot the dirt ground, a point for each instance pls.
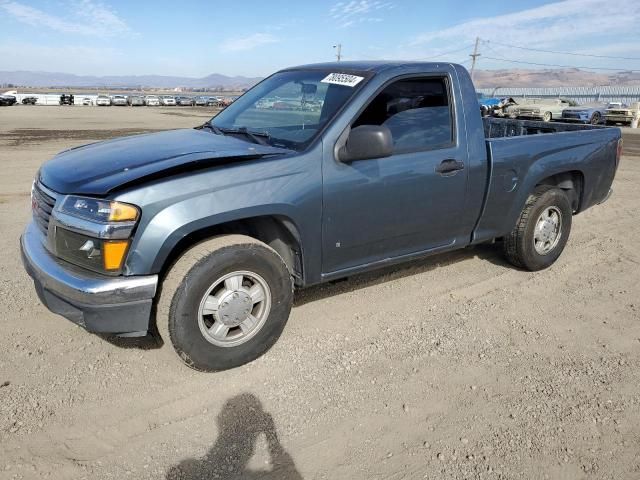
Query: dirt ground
x: 455, y: 367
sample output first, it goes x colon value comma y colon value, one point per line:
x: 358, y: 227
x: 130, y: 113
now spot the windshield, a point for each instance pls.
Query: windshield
x: 289, y: 108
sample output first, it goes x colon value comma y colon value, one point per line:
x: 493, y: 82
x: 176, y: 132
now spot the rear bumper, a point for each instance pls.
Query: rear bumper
x: 120, y: 305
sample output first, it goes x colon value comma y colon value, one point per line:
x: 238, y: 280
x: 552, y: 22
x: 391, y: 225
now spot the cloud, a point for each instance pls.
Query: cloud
x: 248, y: 43
x: 545, y: 25
x: 347, y: 14
x: 91, y: 18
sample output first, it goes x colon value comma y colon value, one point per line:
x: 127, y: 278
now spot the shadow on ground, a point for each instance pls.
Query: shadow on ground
x: 491, y: 253
x: 488, y: 252
x: 240, y: 423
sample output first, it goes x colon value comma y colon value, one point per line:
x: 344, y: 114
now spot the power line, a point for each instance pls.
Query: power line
x: 561, y: 66
x: 560, y: 53
x: 499, y: 58
x: 466, y: 47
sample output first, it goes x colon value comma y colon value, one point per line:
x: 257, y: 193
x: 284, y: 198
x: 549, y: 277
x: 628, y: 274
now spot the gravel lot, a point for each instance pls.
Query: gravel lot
x: 458, y: 366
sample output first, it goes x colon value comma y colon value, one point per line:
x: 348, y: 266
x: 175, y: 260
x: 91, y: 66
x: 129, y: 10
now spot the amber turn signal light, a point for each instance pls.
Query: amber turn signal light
x: 113, y: 253
x: 122, y: 212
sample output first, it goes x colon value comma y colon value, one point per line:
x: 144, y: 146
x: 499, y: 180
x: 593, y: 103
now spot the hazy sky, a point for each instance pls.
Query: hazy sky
x: 254, y: 38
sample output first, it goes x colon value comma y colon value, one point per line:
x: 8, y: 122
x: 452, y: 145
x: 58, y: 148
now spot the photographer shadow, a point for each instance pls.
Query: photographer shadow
x: 240, y: 423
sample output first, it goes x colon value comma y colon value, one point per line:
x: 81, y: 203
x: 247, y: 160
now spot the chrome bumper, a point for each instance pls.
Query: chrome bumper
x: 619, y: 118
x: 97, y: 302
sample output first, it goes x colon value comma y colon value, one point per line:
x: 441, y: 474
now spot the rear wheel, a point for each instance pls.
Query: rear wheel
x: 542, y: 230
x: 225, y: 302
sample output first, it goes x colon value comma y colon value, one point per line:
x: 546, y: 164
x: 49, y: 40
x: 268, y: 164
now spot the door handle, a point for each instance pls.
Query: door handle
x: 449, y: 167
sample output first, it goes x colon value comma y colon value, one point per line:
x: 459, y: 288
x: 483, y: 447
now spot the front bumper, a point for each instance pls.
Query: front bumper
x: 120, y: 305
x: 619, y: 118
x: 581, y: 119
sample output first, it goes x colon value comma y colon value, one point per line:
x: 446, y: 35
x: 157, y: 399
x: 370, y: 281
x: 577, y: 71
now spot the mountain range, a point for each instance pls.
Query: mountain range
x: 483, y: 79
x: 55, y: 79
x: 571, y: 77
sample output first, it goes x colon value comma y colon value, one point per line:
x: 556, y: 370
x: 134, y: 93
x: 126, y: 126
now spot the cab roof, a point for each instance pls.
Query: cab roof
x: 365, y: 66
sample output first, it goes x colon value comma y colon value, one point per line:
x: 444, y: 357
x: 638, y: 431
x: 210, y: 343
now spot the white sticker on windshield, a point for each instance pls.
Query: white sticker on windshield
x: 342, y: 79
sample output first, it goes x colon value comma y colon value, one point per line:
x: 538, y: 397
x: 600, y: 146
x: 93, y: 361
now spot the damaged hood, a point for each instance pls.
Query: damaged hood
x: 99, y: 168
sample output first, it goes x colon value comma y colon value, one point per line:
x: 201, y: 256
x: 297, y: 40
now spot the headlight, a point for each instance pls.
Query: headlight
x: 98, y: 210
x: 94, y: 233
x: 104, y: 256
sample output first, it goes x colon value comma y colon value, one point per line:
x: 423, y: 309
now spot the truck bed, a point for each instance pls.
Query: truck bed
x: 507, y: 127
x: 521, y: 157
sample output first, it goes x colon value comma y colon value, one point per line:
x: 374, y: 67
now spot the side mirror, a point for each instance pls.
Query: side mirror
x: 367, y: 142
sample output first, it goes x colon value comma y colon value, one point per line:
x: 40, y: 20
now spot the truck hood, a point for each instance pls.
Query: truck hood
x: 100, y: 168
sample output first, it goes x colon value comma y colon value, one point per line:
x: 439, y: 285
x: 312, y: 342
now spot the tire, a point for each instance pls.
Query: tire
x: 520, y: 246
x: 181, y: 308
x: 596, y: 118
x: 547, y: 117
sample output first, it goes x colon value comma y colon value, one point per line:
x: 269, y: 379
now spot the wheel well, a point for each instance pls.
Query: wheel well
x: 277, y: 232
x: 571, y: 182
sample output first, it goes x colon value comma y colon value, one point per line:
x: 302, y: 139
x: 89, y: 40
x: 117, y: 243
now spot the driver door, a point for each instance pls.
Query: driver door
x: 375, y: 210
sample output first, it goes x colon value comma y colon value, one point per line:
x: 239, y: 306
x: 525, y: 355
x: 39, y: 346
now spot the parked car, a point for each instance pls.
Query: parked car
x: 29, y: 100
x: 622, y: 114
x: 494, y: 106
x: 7, y: 100
x: 168, y: 100
x: 205, y: 233
x: 135, y: 100
x: 119, y: 101
x: 152, y: 100
x: 593, y: 113
x: 266, y: 102
x: 538, y: 109
x: 184, y: 101
x: 103, y: 101
x: 226, y: 101
x: 87, y: 101
x: 202, y: 101
x: 66, y: 99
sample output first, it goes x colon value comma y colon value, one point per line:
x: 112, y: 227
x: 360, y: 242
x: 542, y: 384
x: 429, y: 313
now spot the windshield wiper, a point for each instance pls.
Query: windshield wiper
x: 210, y: 126
x: 261, y: 138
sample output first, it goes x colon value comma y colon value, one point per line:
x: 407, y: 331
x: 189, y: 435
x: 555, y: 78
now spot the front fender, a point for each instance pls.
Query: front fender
x: 176, y: 207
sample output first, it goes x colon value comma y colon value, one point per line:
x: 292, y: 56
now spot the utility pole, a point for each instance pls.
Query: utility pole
x: 474, y: 57
x: 338, y: 48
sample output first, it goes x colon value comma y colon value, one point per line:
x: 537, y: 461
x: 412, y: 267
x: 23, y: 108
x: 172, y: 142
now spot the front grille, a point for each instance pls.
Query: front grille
x: 618, y: 112
x: 42, y: 202
x: 570, y: 115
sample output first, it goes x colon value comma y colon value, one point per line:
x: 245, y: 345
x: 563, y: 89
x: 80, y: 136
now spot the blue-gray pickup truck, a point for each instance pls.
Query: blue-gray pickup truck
x: 318, y: 172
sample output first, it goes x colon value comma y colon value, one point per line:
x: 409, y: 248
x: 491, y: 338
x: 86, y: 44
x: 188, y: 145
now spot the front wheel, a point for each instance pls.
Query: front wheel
x: 596, y: 118
x: 542, y: 230
x: 547, y: 117
x: 225, y: 302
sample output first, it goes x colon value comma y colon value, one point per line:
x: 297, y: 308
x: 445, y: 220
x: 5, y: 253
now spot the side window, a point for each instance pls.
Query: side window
x: 417, y: 111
